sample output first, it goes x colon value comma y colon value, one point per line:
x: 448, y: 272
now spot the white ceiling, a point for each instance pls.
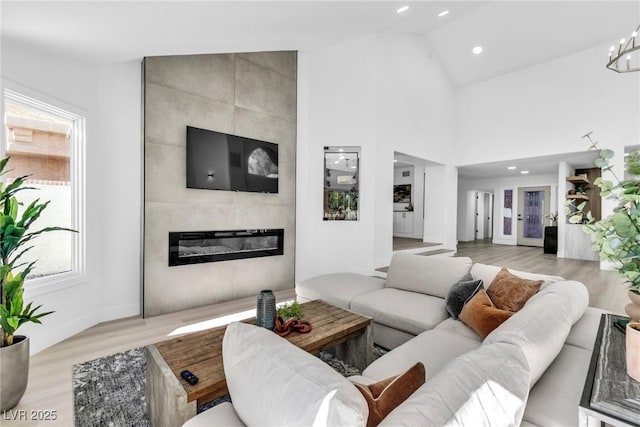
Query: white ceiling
x: 515, y: 34
x: 536, y: 166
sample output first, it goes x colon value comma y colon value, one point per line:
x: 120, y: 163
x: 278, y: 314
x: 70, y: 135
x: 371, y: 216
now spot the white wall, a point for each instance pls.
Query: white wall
x: 336, y: 106
x: 545, y: 109
x: 415, y: 116
x: 120, y: 169
x: 112, y: 188
x: 440, y: 218
x: 384, y: 94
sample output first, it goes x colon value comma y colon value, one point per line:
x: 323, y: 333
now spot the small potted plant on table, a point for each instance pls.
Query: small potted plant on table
x: 289, y: 319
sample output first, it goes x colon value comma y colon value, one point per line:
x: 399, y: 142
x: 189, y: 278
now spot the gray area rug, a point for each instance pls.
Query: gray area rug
x: 110, y: 391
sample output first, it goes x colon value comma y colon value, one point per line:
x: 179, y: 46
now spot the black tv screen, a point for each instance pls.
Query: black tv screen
x: 219, y: 161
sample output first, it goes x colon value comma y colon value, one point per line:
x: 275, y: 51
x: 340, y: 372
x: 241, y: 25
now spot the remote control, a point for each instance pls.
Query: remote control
x: 621, y: 324
x: 189, y: 377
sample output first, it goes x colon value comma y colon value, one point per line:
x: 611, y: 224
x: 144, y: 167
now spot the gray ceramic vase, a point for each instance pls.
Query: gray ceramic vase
x: 266, y: 310
x: 14, y: 372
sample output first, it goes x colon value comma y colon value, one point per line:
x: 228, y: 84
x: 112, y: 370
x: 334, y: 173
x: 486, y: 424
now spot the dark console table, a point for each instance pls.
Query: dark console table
x: 610, y: 395
x: 551, y: 239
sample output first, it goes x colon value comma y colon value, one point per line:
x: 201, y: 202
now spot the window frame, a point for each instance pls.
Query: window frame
x: 77, y: 164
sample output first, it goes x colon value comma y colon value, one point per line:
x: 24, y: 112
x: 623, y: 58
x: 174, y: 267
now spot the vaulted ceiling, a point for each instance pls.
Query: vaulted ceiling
x: 513, y: 34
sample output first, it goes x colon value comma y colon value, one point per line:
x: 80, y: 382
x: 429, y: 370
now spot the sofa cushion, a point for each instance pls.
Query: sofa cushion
x: 338, y: 288
x: 484, y: 387
x: 541, y: 327
x: 488, y: 272
x: 222, y: 415
x: 459, y: 293
x: 458, y: 327
x: 583, y: 332
x: 555, y: 398
x: 510, y: 292
x: 434, y: 348
x: 272, y: 382
x: 384, y: 396
x: 481, y: 315
x: 431, y: 275
x: 410, y: 312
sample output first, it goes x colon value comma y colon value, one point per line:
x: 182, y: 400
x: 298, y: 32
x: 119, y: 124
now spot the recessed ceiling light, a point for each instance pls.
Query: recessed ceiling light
x: 341, y: 157
x: 477, y: 50
x: 336, y: 162
x: 402, y: 9
x: 524, y: 172
x: 395, y: 160
x: 511, y: 168
x: 341, y: 150
x: 443, y: 13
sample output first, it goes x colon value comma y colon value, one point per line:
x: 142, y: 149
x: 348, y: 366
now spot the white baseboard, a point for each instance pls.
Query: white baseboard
x: 119, y: 312
x: 44, y: 340
x: 48, y: 338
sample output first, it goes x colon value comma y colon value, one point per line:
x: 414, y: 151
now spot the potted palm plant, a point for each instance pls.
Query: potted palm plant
x: 617, y: 237
x: 15, y: 237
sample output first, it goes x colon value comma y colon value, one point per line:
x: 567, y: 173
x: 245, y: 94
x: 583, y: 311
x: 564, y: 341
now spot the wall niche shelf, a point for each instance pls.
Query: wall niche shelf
x: 578, y: 180
x: 583, y: 192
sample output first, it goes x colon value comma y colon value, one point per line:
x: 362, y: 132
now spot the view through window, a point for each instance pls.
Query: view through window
x: 39, y: 139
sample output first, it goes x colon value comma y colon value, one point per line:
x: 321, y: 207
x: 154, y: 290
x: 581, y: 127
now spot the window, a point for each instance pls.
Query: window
x: 46, y: 142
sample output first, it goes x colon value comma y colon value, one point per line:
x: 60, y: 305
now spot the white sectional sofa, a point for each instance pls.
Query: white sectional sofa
x: 529, y: 371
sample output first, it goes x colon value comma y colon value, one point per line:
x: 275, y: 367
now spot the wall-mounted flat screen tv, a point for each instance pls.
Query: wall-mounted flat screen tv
x: 219, y: 161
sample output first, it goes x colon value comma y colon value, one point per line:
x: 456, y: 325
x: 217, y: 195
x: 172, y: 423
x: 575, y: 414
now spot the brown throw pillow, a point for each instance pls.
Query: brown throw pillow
x: 383, y: 396
x: 510, y: 292
x: 481, y: 316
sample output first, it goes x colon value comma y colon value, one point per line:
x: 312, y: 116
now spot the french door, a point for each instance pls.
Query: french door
x: 533, y: 208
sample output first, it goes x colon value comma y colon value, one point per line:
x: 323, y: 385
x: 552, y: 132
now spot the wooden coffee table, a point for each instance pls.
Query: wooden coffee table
x: 171, y: 400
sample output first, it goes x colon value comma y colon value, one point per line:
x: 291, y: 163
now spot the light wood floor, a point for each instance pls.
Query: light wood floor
x: 403, y: 243
x: 606, y: 288
x: 50, y: 371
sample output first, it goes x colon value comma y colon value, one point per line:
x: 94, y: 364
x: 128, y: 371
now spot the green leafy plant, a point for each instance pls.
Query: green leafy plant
x: 290, y: 311
x: 553, y: 218
x: 616, y: 237
x: 14, y: 238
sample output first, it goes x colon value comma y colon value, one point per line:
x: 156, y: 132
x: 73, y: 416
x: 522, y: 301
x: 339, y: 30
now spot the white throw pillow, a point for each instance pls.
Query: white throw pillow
x: 274, y: 383
x: 431, y: 275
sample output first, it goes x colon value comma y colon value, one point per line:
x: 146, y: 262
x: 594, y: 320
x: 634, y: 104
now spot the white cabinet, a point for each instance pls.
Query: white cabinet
x: 402, y: 223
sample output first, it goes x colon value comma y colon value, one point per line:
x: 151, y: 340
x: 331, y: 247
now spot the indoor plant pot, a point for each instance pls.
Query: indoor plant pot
x: 633, y: 309
x: 14, y: 372
x: 617, y: 238
x: 15, y: 241
x: 633, y: 350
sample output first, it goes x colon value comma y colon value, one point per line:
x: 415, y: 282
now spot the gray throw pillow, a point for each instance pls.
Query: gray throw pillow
x: 460, y: 293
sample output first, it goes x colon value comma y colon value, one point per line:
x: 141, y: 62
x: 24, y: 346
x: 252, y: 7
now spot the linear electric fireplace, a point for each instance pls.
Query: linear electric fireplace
x: 210, y: 246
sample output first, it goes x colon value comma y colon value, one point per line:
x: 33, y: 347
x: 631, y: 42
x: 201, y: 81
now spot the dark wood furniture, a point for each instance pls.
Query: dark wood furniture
x: 171, y: 400
x: 551, y: 239
x: 609, y: 395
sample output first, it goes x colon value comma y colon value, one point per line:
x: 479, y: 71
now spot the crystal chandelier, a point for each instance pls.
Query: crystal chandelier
x: 622, y: 60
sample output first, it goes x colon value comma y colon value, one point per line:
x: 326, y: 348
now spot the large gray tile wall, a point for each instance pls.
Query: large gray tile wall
x: 247, y: 94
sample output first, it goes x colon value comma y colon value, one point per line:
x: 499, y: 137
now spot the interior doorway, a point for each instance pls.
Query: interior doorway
x: 483, y: 228
x: 533, y: 208
x: 408, y: 196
